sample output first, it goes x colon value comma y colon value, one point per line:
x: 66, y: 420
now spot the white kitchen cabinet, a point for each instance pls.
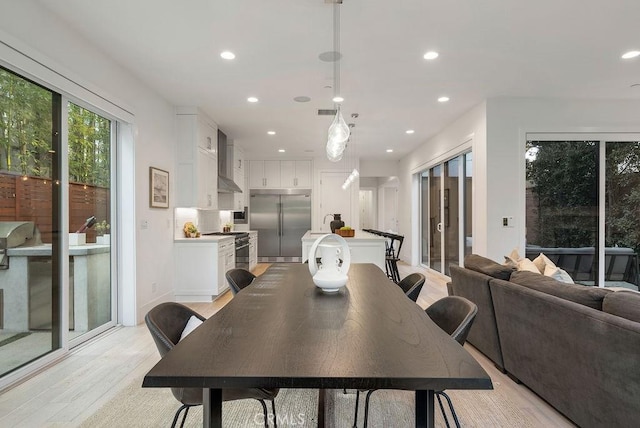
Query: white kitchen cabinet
x: 238, y: 178
x: 253, y: 249
x: 226, y: 261
x: 295, y: 174
x: 200, y: 265
x: 264, y: 174
x: 207, y: 182
x: 197, y: 161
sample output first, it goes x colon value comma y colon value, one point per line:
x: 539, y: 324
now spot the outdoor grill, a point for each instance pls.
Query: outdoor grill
x: 16, y: 234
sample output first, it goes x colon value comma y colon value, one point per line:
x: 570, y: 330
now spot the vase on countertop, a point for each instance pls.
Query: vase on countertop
x: 337, y: 223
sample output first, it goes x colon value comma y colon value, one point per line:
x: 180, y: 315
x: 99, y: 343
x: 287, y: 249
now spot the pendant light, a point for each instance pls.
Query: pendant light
x: 339, y: 131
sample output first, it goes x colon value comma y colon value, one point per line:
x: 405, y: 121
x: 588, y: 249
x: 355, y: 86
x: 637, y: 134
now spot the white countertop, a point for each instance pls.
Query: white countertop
x: 205, y: 239
x: 45, y: 250
x: 360, y: 235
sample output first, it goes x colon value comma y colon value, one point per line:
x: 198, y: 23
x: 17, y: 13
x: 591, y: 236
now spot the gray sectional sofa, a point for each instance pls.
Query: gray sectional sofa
x: 575, y: 346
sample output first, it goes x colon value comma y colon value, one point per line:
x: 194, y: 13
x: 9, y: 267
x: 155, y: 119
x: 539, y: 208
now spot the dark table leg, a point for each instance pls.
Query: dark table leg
x: 212, y: 408
x: 321, y: 396
x: 424, y: 409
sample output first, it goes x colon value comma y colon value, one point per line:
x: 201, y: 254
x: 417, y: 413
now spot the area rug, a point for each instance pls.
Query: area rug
x: 152, y: 407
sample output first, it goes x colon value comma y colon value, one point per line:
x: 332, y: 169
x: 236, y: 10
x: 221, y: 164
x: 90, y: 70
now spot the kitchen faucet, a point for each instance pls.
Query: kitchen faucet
x: 324, y: 221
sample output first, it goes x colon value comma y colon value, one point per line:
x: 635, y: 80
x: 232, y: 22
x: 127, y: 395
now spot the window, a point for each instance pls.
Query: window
x: 581, y: 207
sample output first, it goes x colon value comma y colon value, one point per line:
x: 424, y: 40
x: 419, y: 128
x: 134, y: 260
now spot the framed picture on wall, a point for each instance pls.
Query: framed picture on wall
x: 158, y: 188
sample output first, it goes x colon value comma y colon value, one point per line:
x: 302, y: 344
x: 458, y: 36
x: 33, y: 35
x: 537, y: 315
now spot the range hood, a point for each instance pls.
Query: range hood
x: 225, y: 158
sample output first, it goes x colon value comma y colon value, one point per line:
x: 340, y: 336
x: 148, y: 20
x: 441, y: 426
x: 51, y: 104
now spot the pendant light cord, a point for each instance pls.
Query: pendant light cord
x: 336, y: 50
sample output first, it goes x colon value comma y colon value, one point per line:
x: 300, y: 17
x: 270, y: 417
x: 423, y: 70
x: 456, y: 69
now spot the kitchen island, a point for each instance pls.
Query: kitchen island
x: 365, y: 247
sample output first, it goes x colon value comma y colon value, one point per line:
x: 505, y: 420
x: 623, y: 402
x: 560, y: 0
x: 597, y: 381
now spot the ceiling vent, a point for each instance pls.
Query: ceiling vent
x: 327, y: 112
x: 333, y: 1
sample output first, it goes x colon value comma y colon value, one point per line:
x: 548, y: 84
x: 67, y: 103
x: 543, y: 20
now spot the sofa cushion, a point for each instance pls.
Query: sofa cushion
x: 557, y: 273
x: 625, y: 304
x: 542, y: 262
x: 527, y: 265
x: 584, y: 295
x: 487, y: 266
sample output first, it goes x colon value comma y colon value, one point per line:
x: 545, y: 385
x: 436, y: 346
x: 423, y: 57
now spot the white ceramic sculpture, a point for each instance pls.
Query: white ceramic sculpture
x: 331, y: 275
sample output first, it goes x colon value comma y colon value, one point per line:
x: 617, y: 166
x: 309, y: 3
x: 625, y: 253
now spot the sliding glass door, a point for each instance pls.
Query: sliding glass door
x: 446, y: 227
x: 29, y: 221
x: 43, y: 140
x: 89, y: 153
x: 582, y: 206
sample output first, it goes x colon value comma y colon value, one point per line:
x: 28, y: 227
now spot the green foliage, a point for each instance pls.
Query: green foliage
x: 563, y: 176
x: 26, y: 134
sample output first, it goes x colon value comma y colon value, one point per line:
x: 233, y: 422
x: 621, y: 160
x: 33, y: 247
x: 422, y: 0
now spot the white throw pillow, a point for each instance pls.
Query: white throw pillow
x: 542, y: 262
x: 526, y: 264
x: 558, y: 274
x: 193, y: 323
x: 512, y: 259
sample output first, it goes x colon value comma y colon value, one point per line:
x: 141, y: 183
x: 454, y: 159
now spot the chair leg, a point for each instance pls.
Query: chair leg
x: 444, y: 414
x: 366, y: 407
x: 177, y: 415
x: 273, y: 409
x: 265, y: 413
x: 355, y: 417
x: 453, y: 411
x: 184, y: 418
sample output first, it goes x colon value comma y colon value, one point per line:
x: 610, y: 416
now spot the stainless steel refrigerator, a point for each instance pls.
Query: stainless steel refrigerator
x: 281, y: 218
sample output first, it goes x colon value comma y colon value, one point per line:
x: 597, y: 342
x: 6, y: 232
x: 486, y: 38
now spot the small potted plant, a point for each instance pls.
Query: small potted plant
x: 190, y: 230
x: 102, y: 230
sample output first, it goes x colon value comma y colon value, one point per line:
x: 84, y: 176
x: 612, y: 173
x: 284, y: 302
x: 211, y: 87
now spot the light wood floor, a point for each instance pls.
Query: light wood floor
x: 67, y: 393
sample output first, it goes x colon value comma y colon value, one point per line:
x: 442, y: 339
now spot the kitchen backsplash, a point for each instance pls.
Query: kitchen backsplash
x: 205, y: 220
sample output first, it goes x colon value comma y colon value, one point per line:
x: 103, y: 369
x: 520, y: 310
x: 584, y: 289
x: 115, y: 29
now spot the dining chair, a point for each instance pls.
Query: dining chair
x: 412, y: 285
x: 454, y: 315
x: 166, y: 322
x: 238, y: 279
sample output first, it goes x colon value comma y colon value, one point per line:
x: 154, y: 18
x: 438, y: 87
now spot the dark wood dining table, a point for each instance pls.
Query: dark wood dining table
x: 284, y: 332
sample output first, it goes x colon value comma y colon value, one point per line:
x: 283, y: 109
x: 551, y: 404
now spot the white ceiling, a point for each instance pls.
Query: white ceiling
x: 488, y: 48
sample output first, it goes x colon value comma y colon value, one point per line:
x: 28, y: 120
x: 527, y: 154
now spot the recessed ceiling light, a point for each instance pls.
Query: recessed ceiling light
x: 228, y: 55
x: 409, y: 131
x: 389, y: 150
x: 337, y: 99
x: 271, y: 132
x: 252, y: 99
x: 281, y: 150
x: 431, y: 55
x: 443, y: 99
x: 630, y: 54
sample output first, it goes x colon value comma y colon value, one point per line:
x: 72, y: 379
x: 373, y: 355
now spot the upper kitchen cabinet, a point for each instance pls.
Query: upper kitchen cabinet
x: 295, y: 174
x: 238, y: 177
x: 197, y: 160
x: 264, y: 174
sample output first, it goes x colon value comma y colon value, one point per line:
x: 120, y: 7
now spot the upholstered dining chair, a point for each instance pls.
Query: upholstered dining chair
x: 238, y: 279
x: 412, y: 285
x: 454, y: 315
x: 166, y: 322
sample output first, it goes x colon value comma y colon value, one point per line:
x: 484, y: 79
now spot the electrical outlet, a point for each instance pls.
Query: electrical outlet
x: 144, y: 224
x: 507, y: 221
x: 154, y: 287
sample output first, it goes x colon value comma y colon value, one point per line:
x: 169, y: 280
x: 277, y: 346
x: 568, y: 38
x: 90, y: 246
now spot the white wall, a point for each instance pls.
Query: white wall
x: 378, y: 168
x: 496, y: 130
x: 454, y: 139
x: 508, y: 121
x: 52, y: 41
